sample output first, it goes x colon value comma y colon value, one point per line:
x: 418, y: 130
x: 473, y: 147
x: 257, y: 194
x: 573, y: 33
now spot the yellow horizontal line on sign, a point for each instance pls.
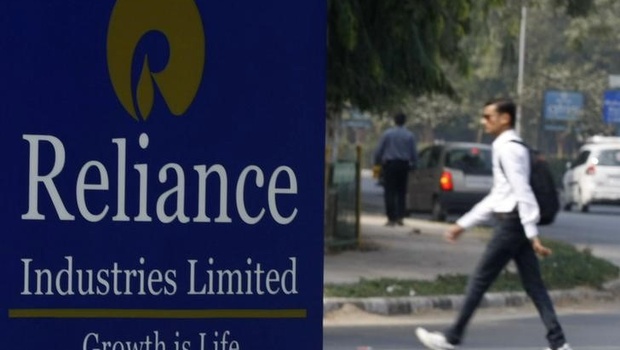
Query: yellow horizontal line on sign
x: 157, y: 314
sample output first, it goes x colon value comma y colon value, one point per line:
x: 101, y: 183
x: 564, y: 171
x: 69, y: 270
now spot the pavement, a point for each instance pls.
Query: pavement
x: 417, y: 251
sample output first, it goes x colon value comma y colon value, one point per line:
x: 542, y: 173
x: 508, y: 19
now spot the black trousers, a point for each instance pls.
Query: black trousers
x: 508, y: 242
x: 395, y: 175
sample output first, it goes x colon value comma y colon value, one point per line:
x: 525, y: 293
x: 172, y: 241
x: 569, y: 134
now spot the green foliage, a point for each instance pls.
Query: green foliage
x: 566, y: 268
x: 382, y: 50
x: 439, y: 61
x: 576, y: 8
x: 449, y: 284
x: 564, y: 51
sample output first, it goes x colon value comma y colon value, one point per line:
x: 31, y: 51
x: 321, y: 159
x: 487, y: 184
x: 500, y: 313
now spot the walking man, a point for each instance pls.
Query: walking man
x: 512, y: 203
x: 397, y: 155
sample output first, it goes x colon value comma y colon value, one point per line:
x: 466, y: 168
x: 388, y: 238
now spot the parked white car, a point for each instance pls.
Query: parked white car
x: 594, y: 177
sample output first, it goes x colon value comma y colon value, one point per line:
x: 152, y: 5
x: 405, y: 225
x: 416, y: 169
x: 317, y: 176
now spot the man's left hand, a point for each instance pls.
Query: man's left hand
x: 539, y: 248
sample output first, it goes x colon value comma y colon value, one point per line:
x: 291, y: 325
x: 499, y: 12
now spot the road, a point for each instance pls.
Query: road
x: 597, y: 229
x: 588, y: 327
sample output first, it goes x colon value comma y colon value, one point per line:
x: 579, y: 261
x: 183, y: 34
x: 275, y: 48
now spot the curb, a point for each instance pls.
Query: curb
x: 392, y: 306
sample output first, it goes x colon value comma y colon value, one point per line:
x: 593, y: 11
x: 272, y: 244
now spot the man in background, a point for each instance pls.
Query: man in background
x: 397, y: 155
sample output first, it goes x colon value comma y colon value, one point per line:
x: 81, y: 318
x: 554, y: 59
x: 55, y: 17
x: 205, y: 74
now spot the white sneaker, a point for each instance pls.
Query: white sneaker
x: 563, y: 347
x: 434, y: 340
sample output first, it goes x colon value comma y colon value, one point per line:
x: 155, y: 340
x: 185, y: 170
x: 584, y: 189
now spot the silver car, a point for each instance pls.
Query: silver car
x: 451, y: 178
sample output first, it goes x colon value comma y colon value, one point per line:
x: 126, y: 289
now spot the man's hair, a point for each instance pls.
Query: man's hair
x: 505, y: 105
x: 399, y: 119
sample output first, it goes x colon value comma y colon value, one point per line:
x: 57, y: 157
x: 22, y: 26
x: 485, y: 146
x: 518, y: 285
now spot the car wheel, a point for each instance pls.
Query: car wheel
x: 566, y: 202
x: 581, y: 205
x: 438, y: 213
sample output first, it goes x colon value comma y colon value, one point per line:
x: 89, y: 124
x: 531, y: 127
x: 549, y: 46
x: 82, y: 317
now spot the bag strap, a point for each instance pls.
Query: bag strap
x: 500, y: 158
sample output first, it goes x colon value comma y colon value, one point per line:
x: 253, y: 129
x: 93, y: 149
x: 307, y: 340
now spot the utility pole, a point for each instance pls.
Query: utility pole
x: 519, y: 124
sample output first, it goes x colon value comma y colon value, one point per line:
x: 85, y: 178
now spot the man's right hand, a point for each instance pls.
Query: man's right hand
x: 453, y: 232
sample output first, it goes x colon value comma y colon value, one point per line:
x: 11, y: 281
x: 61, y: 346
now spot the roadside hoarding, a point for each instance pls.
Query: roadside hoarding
x: 562, y: 105
x: 611, y: 107
x: 162, y: 186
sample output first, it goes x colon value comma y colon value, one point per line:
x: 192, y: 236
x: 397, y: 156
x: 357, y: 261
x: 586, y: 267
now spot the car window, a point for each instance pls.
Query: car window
x: 434, y: 156
x: 609, y: 157
x: 581, y: 159
x: 423, y: 157
x: 471, y: 160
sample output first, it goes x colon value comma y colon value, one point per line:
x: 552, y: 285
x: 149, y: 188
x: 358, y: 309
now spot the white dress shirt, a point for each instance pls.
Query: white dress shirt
x: 511, y: 186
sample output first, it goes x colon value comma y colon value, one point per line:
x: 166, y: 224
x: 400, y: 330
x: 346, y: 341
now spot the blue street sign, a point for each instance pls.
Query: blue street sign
x: 562, y: 105
x: 611, y: 106
x: 554, y: 127
x: 162, y: 183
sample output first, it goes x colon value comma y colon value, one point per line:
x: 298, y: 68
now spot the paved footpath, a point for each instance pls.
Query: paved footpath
x: 417, y: 251
x: 414, y: 251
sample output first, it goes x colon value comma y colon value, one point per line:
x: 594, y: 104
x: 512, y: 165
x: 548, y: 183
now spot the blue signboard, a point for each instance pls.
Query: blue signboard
x: 162, y: 183
x: 611, y: 106
x: 562, y: 105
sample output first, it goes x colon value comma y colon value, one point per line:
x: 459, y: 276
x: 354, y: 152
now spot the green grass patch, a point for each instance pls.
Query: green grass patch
x: 566, y: 268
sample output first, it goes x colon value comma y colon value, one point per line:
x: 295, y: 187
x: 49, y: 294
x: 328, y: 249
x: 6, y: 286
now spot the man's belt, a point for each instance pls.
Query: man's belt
x: 506, y: 216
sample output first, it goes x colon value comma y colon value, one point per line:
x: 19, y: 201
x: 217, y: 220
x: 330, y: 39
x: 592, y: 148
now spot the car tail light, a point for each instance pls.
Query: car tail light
x: 591, y: 170
x: 445, y: 181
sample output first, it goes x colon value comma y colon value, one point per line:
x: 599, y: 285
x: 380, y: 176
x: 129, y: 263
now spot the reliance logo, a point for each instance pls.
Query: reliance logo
x: 179, y: 21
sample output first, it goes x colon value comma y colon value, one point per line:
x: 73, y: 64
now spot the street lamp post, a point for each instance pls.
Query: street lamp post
x: 519, y: 122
